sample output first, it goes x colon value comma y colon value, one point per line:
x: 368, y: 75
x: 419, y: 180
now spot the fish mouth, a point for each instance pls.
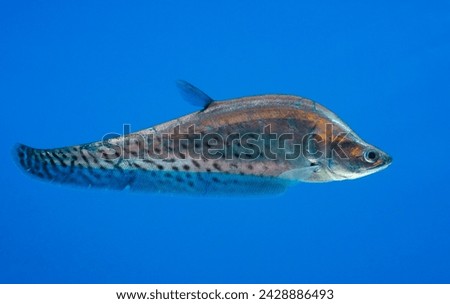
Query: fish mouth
x: 387, y: 160
x: 384, y: 162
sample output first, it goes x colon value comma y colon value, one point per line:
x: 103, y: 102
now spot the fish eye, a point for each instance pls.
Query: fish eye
x: 371, y: 156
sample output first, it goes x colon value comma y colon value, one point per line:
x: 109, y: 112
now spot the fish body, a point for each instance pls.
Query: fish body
x: 251, y: 145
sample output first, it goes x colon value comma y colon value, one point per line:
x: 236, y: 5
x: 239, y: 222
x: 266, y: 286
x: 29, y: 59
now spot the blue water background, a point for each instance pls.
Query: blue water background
x: 71, y: 71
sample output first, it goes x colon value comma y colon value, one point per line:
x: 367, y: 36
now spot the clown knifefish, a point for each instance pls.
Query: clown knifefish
x: 251, y: 145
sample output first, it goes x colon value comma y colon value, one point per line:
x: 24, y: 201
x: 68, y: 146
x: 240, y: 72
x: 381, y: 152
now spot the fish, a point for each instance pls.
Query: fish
x: 252, y: 145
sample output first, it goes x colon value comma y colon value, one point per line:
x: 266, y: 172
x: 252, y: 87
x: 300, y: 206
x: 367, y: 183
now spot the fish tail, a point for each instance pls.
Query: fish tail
x: 44, y: 164
x: 70, y: 165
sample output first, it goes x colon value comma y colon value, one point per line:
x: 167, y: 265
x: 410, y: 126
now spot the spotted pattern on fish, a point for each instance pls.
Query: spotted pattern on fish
x: 128, y: 162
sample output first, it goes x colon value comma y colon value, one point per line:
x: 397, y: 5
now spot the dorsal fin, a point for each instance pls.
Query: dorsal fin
x: 193, y: 94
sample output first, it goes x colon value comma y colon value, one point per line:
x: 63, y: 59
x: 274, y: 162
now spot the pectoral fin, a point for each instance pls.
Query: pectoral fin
x: 310, y: 174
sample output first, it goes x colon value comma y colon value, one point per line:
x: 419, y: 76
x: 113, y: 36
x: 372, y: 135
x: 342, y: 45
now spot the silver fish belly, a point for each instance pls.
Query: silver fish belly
x: 245, y: 146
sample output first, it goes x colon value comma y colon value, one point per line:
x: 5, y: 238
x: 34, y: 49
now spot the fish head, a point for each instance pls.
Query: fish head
x: 351, y: 158
x: 356, y: 159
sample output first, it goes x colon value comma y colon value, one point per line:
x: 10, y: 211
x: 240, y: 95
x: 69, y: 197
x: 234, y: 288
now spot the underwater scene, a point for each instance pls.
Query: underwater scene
x: 237, y: 142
